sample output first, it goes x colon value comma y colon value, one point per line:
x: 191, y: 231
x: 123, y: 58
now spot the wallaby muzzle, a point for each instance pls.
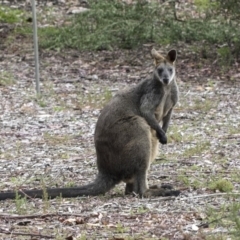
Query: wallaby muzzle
x: 166, y: 81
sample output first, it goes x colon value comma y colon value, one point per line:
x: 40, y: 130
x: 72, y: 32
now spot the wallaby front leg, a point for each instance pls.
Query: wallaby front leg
x: 166, y: 120
x: 151, y: 120
x: 161, y: 136
x: 149, y: 102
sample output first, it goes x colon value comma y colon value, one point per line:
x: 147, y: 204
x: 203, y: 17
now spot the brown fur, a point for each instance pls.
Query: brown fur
x: 127, y: 134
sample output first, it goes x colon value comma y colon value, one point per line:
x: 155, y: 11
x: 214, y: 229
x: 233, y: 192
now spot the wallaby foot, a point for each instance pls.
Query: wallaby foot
x: 164, y: 186
x: 163, y: 192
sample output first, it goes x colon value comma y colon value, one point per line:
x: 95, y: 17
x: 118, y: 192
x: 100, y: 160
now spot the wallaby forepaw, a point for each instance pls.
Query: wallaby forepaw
x: 162, y: 138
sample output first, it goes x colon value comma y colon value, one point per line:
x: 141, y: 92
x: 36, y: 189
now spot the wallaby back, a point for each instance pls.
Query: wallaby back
x: 127, y: 134
x: 127, y: 131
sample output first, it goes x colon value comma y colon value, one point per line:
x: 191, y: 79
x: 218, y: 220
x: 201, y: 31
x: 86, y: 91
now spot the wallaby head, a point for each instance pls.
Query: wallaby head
x: 164, y: 66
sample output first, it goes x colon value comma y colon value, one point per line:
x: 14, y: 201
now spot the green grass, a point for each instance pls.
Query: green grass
x: 54, y: 140
x: 93, y: 100
x: 226, y: 217
x: 10, y: 15
x: 198, y: 149
x: 221, y: 185
x: 6, y: 78
x: 204, y: 105
x: 107, y: 25
x: 113, y: 24
x: 21, y: 204
x: 175, y: 134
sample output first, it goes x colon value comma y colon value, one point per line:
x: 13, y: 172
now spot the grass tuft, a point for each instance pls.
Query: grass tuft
x: 221, y: 185
x: 9, y: 15
x: 6, y: 78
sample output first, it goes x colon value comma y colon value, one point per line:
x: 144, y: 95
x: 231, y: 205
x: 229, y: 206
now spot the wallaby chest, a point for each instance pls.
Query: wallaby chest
x: 164, y: 105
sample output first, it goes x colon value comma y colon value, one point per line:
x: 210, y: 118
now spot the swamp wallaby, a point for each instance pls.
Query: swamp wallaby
x: 127, y: 134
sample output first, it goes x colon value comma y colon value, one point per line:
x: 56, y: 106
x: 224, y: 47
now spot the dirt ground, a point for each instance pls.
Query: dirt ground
x: 47, y: 141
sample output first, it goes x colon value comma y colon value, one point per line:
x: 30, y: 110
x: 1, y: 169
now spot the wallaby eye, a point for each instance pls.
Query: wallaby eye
x: 160, y: 71
x: 170, y: 70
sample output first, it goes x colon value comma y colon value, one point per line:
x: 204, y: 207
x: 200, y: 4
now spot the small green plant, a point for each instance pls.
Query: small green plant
x: 225, y: 56
x: 59, y: 108
x: 120, y: 228
x: 234, y: 217
x: 46, y: 203
x: 63, y: 155
x: 196, y: 184
x: 221, y: 185
x: 107, y: 95
x: 184, y: 180
x: 42, y: 102
x: 70, y: 184
x: 204, y: 105
x: 6, y: 78
x: 227, y: 216
x: 234, y: 129
x: 204, y: 5
x: 142, y: 209
x: 175, y: 134
x: 21, y: 204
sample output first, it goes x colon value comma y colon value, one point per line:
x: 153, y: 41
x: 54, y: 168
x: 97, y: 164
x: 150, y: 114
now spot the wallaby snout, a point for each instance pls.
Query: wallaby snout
x: 165, y: 73
x: 166, y: 81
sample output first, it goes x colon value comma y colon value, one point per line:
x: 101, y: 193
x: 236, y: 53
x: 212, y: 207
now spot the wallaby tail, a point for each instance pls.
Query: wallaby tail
x: 101, y: 185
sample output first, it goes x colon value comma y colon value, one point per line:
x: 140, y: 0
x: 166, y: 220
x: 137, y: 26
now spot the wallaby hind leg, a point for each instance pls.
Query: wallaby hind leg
x: 129, y: 188
x: 140, y: 184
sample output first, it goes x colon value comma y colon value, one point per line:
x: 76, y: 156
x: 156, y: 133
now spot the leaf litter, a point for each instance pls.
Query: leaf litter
x: 48, y: 142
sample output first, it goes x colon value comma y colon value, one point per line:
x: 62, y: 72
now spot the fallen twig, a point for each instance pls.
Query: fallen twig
x: 209, y: 195
x: 25, y: 234
x: 40, y: 215
x: 231, y: 136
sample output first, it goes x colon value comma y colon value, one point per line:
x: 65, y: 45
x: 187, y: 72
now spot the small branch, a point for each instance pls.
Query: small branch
x: 213, y: 221
x: 7, y: 216
x: 209, y: 195
x: 232, y: 136
x: 25, y: 234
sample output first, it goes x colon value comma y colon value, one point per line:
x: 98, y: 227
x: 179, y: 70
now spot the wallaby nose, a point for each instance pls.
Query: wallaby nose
x: 166, y: 80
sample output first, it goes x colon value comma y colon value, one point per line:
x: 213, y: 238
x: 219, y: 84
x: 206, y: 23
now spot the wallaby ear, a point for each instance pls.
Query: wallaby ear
x: 172, y: 55
x: 156, y: 56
